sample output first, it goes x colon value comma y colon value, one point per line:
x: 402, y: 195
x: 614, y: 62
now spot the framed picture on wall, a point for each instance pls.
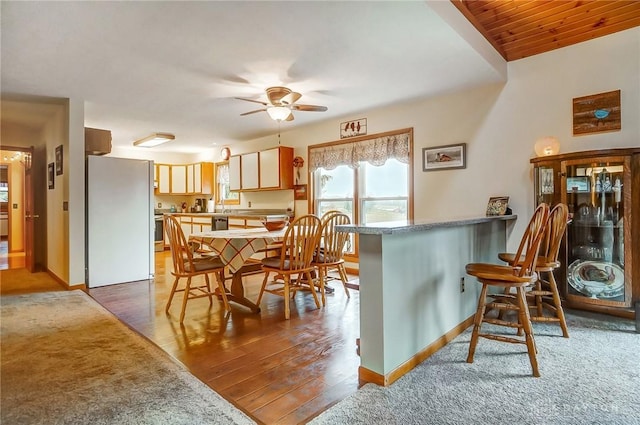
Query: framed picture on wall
x: 497, y: 205
x: 59, y: 160
x: 444, y: 157
x: 51, y: 176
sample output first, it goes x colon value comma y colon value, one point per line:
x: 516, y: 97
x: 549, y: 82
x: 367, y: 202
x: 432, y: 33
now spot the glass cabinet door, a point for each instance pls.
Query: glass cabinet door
x: 545, y: 184
x: 594, y: 192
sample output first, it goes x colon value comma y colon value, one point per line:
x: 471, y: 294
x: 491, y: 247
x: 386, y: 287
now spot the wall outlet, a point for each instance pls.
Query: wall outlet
x: 249, y: 204
x: 159, y: 204
x: 462, y: 284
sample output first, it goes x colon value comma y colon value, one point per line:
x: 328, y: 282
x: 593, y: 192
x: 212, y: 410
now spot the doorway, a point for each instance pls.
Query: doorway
x: 14, y: 165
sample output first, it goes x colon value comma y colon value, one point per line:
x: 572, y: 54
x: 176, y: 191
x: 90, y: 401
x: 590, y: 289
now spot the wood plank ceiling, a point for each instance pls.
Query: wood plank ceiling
x: 520, y: 28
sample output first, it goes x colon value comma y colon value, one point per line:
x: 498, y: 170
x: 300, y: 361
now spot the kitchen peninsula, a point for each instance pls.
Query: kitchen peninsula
x: 415, y: 295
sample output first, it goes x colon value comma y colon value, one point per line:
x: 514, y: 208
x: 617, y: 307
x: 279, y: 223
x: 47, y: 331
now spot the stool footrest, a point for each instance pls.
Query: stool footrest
x: 499, y: 322
x: 503, y: 338
x: 502, y: 306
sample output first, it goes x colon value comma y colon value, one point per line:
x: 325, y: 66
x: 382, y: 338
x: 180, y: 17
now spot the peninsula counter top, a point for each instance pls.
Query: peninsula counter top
x: 406, y: 226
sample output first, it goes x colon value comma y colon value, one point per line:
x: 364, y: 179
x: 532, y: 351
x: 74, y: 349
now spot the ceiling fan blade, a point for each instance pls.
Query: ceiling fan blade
x: 290, y: 98
x: 313, y: 108
x: 252, y: 100
x: 253, y: 112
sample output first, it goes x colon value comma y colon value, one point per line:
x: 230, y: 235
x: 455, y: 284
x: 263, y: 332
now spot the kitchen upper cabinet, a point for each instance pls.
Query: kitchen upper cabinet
x: 185, y: 179
x: 271, y: 169
x: 178, y: 179
x: 234, y: 173
x: 200, y: 178
x: 276, y: 168
x: 164, y: 178
x: 249, y: 173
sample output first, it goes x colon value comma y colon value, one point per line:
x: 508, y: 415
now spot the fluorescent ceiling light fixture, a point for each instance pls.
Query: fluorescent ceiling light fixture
x: 154, y: 139
x: 279, y: 113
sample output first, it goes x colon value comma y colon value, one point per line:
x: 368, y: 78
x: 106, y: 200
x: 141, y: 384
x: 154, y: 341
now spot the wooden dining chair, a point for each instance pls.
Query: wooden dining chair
x: 328, y: 255
x: 187, y: 265
x: 298, y: 246
x: 545, y: 295
x: 508, y: 278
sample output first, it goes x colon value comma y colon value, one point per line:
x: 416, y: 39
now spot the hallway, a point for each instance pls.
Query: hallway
x: 13, y: 260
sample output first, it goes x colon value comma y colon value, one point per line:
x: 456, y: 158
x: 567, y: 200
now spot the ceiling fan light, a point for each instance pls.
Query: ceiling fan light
x: 279, y: 113
x: 154, y: 139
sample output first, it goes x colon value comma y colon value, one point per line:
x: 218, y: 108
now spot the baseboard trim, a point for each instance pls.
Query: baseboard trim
x: 366, y: 375
x: 81, y: 286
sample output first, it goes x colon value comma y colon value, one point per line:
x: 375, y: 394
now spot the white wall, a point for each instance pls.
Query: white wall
x: 500, y: 124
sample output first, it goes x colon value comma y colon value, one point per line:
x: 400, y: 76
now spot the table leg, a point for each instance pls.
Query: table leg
x: 237, y: 289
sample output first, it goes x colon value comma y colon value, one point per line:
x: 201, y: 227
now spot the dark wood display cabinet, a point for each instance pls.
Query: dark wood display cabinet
x: 600, y: 258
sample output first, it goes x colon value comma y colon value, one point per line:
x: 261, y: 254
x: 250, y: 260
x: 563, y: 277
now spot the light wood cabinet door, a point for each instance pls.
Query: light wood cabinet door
x: 249, y: 166
x: 197, y: 178
x: 234, y: 173
x: 178, y: 179
x: 190, y: 179
x: 276, y: 168
x: 164, y: 178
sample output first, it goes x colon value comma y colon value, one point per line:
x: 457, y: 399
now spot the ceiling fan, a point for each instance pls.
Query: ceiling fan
x: 282, y: 101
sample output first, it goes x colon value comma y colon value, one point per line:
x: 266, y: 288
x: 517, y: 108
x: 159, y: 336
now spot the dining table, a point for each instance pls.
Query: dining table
x: 235, y: 248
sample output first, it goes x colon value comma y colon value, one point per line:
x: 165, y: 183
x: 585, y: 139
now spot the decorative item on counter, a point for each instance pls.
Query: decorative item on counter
x: 275, y: 222
x: 184, y: 207
x: 173, y: 208
x: 497, y: 205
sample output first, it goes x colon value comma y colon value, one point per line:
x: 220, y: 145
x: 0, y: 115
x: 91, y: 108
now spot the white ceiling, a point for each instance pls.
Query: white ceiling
x: 143, y: 67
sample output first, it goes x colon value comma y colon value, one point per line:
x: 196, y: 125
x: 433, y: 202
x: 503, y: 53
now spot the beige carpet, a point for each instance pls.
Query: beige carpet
x: 66, y: 360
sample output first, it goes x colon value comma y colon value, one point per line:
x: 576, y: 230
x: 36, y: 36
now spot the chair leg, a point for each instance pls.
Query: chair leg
x: 528, y: 332
x: 313, y: 288
x: 208, y: 284
x: 539, y: 297
x: 171, y: 294
x: 187, y: 291
x: 287, y: 300
x: 477, y: 323
x: 558, y: 304
x: 343, y: 276
x: 223, y: 294
x: 321, y: 277
x: 264, y: 285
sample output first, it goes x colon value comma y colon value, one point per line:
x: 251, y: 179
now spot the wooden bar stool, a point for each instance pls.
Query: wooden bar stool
x: 545, y: 295
x: 508, y: 278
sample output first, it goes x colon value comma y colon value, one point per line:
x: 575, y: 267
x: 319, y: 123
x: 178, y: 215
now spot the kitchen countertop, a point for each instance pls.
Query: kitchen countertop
x: 417, y: 225
x: 236, y: 213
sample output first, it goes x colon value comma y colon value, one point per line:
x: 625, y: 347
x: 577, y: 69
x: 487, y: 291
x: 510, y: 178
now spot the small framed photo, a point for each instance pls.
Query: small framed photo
x: 51, y: 176
x: 353, y: 128
x: 444, y: 157
x: 300, y: 192
x: 497, y: 205
x: 59, y: 160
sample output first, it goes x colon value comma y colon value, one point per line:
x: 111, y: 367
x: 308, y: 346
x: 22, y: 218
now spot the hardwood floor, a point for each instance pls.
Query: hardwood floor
x: 277, y: 371
x: 10, y: 260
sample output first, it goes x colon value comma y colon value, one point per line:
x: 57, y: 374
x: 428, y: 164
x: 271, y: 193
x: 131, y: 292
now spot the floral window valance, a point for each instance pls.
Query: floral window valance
x: 375, y: 151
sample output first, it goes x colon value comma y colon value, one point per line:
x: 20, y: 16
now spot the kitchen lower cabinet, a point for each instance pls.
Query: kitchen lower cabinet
x: 600, y: 261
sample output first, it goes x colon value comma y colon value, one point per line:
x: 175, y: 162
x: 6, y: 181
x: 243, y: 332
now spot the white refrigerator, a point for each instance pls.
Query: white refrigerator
x: 119, y: 220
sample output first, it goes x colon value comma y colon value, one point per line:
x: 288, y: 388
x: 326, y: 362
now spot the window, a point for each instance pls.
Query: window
x: 384, y: 192
x: 367, y: 178
x: 223, y: 195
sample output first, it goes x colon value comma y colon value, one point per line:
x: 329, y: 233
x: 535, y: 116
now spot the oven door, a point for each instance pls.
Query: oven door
x: 159, y: 233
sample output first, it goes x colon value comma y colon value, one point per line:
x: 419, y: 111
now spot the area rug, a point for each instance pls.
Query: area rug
x: 593, y: 377
x: 66, y: 360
